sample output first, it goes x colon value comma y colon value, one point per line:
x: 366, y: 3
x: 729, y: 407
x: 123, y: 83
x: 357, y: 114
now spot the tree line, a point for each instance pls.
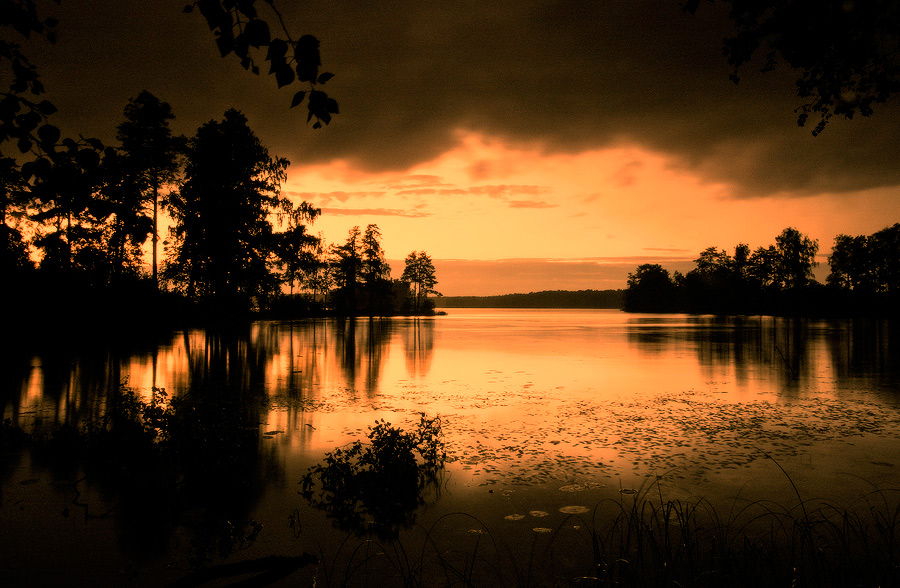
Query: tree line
x: 778, y: 279
x: 76, y: 217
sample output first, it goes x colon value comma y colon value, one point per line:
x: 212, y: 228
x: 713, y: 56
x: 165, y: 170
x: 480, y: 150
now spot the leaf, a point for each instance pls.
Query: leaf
x: 277, y: 50
x: 325, y: 77
x: 188, y: 9
x: 46, y: 107
x: 284, y: 76
x: 95, y: 143
x: 257, y: 33
x: 247, y: 8
x: 48, y: 134
x: 298, y: 98
x: 24, y: 144
x: 225, y: 45
x: 307, y: 70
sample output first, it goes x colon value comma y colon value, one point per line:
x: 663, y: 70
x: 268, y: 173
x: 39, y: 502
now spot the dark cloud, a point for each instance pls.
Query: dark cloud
x: 567, y: 75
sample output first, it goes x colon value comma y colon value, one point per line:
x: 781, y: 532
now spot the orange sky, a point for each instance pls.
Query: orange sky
x: 486, y: 199
x: 524, y: 144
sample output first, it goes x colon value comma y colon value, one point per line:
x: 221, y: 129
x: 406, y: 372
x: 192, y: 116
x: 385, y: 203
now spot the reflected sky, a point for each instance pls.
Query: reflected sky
x: 525, y: 394
x: 531, y: 402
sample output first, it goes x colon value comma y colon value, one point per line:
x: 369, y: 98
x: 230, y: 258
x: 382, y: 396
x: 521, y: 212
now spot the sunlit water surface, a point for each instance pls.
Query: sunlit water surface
x: 542, y: 410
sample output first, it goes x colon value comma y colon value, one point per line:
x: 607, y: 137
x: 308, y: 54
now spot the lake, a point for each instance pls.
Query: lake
x: 545, y: 414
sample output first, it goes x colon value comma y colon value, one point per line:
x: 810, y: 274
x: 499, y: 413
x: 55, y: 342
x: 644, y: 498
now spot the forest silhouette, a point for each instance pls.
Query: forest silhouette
x: 83, y: 213
x: 778, y: 279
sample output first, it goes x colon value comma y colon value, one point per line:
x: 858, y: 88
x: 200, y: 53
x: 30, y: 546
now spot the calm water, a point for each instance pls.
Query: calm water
x: 542, y: 410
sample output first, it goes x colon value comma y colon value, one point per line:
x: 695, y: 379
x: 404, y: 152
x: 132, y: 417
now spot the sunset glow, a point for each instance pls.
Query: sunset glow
x: 487, y: 199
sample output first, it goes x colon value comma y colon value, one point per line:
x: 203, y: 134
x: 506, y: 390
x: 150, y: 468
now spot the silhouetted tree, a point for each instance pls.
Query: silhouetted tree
x: 650, y: 289
x: 129, y: 227
x: 295, y: 246
x: 796, y: 258
x: 66, y: 202
x: 319, y: 278
x: 346, y: 265
x: 150, y: 160
x: 867, y: 264
x: 851, y: 264
x: 419, y: 271
x: 222, y: 243
x: 845, y: 52
x: 375, y: 272
x: 12, y: 208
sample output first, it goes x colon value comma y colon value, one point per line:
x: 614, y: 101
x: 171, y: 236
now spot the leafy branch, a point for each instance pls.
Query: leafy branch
x: 238, y: 29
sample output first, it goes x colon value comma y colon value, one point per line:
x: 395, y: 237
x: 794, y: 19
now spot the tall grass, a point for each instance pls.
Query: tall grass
x: 643, y: 539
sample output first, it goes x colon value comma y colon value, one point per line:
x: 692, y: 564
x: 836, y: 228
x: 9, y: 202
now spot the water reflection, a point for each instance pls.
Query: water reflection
x: 794, y: 355
x: 295, y: 360
x: 312, y: 361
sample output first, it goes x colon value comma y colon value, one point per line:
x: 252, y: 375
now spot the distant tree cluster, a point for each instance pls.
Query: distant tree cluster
x: 355, y: 278
x: 778, y: 279
x: 612, y: 299
x: 867, y: 264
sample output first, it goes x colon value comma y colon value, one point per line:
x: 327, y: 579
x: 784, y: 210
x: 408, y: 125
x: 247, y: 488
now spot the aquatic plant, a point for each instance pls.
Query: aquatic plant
x: 376, y: 487
x: 641, y: 539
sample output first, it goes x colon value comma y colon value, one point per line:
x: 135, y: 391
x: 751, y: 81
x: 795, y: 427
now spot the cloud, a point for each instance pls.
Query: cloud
x: 374, y: 212
x: 666, y: 249
x: 499, y: 192
x: 531, y: 204
x: 320, y: 198
x: 564, y: 75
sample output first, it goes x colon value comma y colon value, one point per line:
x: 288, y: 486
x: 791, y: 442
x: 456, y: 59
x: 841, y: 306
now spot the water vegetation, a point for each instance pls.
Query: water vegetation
x: 640, y: 539
x: 375, y: 488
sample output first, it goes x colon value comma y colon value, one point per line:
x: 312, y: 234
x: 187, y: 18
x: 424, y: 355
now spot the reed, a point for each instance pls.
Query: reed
x: 643, y: 539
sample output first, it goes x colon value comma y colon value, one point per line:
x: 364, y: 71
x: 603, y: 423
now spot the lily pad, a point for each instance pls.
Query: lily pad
x: 572, y: 488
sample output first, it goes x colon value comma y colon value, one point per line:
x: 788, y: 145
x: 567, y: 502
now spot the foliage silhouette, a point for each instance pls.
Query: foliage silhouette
x: 419, y: 272
x: 845, y: 52
x: 376, y: 488
x: 238, y: 28
x: 222, y: 245
x: 772, y: 280
x: 151, y: 159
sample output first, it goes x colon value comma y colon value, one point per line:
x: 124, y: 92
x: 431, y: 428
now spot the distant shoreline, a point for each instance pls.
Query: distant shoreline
x: 611, y: 299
